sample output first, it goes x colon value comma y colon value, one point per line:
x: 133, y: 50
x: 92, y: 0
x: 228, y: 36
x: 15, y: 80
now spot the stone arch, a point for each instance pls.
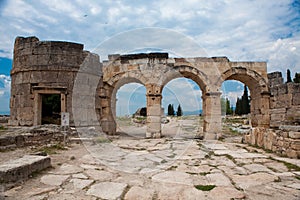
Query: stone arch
x: 257, y: 85
x: 251, y: 78
x: 190, y: 72
x: 113, y: 85
x: 201, y: 79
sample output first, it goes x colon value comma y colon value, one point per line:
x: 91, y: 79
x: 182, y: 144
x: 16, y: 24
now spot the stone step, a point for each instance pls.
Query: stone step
x: 18, y: 170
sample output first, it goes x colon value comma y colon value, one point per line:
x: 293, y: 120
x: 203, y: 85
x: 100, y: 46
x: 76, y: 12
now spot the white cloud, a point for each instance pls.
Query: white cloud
x: 241, y: 30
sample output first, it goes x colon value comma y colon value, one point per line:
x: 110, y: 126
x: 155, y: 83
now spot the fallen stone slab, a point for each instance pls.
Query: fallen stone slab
x: 20, y: 169
x: 107, y: 190
x: 139, y: 193
x: 174, y: 177
x: 54, y: 180
x: 81, y: 184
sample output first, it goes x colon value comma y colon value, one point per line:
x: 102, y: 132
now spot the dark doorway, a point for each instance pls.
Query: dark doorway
x: 51, y: 109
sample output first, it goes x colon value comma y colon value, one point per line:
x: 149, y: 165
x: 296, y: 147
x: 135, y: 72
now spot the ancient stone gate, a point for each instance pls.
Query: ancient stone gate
x: 52, y: 67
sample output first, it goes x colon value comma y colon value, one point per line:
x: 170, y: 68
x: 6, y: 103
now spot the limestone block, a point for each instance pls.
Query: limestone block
x: 295, y: 145
x: 20, y: 169
x: 291, y: 153
x: 154, y: 110
x: 153, y: 127
x: 153, y: 119
x: 296, y: 99
x: 294, y: 135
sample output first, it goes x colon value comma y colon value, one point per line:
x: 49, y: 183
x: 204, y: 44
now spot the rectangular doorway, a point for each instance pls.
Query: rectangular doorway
x: 51, y: 108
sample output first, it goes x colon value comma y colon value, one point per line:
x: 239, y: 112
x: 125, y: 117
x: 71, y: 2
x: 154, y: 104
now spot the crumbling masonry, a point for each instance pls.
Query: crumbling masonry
x: 88, y: 88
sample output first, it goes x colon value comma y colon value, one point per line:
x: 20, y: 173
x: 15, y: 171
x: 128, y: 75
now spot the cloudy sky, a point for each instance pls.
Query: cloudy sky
x: 254, y: 30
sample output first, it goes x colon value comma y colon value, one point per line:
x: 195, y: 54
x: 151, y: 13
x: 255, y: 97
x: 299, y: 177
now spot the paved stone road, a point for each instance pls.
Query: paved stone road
x: 163, y: 169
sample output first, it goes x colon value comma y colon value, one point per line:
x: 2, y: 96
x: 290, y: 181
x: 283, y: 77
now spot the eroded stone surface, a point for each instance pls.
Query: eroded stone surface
x: 55, y: 180
x: 107, y: 190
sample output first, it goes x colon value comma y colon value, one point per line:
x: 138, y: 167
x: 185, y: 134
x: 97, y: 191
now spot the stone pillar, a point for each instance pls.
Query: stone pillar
x: 212, y: 115
x: 153, y: 111
x: 37, y: 109
x: 265, y: 110
x: 108, y: 123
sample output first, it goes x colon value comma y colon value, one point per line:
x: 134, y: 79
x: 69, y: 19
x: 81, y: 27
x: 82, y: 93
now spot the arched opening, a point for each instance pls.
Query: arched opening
x: 187, y: 94
x: 258, y: 92
x: 128, y: 103
x: 235, y: 109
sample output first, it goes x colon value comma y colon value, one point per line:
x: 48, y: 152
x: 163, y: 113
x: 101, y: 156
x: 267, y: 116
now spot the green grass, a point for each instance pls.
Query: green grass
x: 102, y: 140
x: 52, y: 149
x: 291, y: 166
x: 205, y: 187
x: 2, y: 128
x: 204, y: 173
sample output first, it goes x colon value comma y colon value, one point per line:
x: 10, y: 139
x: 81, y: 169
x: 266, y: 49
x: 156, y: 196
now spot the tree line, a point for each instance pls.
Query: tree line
x: 242, y: 105
x: 171, y: 111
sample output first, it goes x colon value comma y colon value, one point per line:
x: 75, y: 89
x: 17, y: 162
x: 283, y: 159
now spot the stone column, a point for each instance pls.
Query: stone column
x: 108, y: 123
x: 37, y: 109
x: 153, y: 111
x: 212, y: 115
x: 264, y: 110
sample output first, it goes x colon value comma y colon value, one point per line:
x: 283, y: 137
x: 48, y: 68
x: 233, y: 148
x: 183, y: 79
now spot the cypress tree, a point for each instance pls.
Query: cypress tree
x: 172, y: 110
x: 228, y: 108
x: 238, y: 107
x: 179, y: 111
x: 169, y: 109
x: 297, y: 78
x: 288, y: 75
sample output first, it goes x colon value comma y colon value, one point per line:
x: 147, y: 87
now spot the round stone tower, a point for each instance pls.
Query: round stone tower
x: 43, y: 71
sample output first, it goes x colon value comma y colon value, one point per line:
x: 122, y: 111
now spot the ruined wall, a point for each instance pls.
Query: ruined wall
x: 41, y: 67
x: 284, y: 101
x: 283, y: 136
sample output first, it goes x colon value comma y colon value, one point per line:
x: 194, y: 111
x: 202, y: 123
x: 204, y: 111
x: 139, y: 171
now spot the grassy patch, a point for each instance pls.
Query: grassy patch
x: 102, y: 140
x: 205, y: 187
x: 291, y: 166
x: 191, y: 173
x: 204, y: 173
x: 2, y: 128
x: 52, y: 149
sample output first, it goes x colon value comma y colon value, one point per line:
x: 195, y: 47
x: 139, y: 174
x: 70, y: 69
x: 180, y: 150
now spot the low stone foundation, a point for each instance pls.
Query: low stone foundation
x: 32, y: 136
x: 284, y: 141
x: 19, y: 170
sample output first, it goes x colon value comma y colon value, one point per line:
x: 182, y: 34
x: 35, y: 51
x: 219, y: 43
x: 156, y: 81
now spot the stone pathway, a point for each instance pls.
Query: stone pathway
x: 164, y: 169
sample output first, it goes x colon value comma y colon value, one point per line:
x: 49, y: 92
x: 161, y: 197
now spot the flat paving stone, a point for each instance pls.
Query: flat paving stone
x: 53, y: 179
x: 80, y: 176
x: 80, y: 184
x: 68, y: 169
x: 174, y: 177
x: 100, y: 175
x: 218, y: 179
x: 225, y: 193
x: 246, y: 181
x: 139, y: 193
x: 257, y: 168
x: 107, y: 190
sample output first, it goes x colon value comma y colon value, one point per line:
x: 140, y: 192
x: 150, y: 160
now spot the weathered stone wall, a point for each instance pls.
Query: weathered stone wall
x: 284, y: 101
x: 43, y: 67
x: 283, y: 136
x: 284, y: 141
